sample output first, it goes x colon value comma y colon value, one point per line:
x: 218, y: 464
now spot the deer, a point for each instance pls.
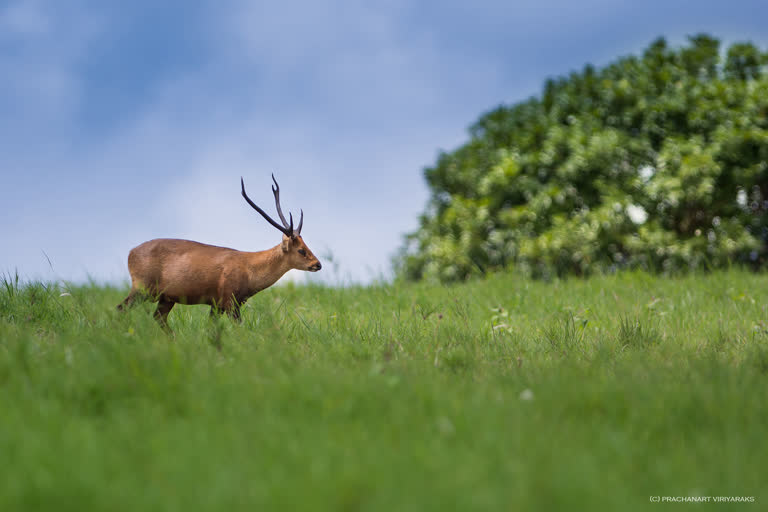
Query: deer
x: 173, y: 271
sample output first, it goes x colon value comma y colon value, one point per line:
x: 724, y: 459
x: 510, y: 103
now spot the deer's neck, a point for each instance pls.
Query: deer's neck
x: 266, y: 267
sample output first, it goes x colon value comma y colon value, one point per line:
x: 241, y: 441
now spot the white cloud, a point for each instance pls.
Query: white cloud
x: 41, y: 86
x: 24, y: 18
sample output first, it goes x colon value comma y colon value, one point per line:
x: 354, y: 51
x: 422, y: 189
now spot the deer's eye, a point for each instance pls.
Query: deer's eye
x: 302, y: 252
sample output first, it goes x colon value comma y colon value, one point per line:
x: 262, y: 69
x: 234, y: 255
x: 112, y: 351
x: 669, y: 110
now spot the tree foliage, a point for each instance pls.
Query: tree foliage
x: 658, y: 162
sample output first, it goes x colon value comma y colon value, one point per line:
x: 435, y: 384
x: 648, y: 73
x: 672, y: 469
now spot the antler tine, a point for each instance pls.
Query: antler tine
x: 301, y: 223
x: 276, y: 191
x: 285, y: 230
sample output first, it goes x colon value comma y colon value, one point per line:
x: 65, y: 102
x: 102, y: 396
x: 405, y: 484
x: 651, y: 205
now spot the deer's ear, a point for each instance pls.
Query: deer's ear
x: 286, y: 244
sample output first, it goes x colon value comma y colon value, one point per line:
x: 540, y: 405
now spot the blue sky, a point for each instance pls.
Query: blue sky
x: 126, y: 121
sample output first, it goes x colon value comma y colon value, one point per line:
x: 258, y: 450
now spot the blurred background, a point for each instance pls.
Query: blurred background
x: 126, y: 121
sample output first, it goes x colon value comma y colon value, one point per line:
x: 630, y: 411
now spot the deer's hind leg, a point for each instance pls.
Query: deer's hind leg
x: 164, y: 307
x: 134, y: 295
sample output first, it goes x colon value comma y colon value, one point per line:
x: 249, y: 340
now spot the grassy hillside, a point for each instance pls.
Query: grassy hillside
x: 494, y: 395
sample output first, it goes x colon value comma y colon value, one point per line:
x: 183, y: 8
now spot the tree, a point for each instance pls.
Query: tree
x: 658, y: 162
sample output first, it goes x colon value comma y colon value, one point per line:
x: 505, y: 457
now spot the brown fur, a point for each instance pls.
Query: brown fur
x: 174, y: 271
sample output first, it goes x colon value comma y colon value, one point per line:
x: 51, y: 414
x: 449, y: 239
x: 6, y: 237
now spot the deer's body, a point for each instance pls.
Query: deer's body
x: 173, y: 271
x: 193, y: 273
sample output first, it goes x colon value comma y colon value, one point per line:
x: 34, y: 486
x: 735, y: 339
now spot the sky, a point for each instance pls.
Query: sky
x: 126, y: 121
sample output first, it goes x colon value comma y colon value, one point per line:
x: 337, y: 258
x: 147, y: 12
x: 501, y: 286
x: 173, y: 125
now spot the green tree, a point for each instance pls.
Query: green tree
x: 658, y: 162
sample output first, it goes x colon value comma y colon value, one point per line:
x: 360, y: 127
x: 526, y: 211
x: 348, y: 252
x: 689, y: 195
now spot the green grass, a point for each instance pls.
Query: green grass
x: 505, y: 394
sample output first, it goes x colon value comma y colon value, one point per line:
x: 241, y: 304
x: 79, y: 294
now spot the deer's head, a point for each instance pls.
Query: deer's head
x: 295, y: 251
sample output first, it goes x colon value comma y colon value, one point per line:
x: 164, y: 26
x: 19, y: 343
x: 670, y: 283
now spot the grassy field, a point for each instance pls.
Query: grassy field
x: 503, y: 394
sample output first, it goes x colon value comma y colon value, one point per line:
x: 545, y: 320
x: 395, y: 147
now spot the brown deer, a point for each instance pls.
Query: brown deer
x: 170, y: 271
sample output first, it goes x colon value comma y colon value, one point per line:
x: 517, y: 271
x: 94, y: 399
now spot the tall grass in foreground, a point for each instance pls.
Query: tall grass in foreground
x: 500, y: 394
